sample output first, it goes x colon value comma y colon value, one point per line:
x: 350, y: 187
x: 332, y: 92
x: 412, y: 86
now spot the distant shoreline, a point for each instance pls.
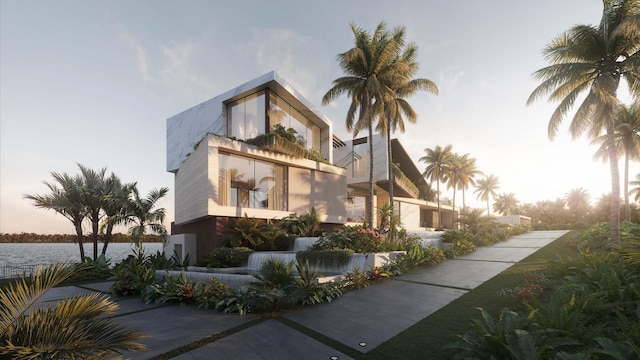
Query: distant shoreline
x: 67, y: 238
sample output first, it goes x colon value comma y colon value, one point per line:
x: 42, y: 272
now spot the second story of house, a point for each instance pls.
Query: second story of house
x: 249, y: 110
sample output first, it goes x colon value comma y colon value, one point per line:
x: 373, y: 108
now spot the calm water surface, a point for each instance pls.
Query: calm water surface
x: 47, y: 253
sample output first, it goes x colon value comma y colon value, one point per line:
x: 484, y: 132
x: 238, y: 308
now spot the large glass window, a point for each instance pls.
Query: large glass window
x: 356, y: 208
x: 246, y: 116
x: 246, y: 182
x: 360, y: 157
x: 280, y: 112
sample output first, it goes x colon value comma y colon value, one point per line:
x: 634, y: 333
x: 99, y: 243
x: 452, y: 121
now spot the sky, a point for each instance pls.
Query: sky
x: 93, y: 82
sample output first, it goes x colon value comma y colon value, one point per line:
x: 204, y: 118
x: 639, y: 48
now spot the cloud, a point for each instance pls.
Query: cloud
x: 293, y: 56
x: 171, y: 66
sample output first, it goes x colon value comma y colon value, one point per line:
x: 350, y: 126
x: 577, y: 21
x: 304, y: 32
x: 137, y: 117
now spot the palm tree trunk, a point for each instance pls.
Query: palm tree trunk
x: 438, y: 197
x: 107, y: 238
x: 488, y: 212
x: 94, y: 228
x: 391, y: 175
x: 615, y: 184
x: 453, y: 216
x: 627, y: 207
x: 371, y: 205
x: 80, y: 243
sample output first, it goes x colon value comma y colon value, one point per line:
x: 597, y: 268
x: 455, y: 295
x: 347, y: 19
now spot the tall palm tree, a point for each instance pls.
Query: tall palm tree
x: 453, y: 174
x: 437, y: 161
x: 73, y: 328
x: 594, y: 59
x: 93, y: 194
x: 627, y: 140
x: 636, y: 190
x: 506, y: 204
x: 577, y: 199
x: 114, y: 204
x: 486, y: 189
x: 370, y: 70
x: 65, y: 198
x: 392, y: 111
x: 140, y: 215
x: 467, y: 174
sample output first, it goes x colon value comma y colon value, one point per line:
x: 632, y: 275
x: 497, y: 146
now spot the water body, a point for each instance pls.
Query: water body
x: 13, y: 254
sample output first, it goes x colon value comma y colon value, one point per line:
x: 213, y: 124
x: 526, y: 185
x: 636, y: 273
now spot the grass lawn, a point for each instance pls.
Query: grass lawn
x: 425, y: 339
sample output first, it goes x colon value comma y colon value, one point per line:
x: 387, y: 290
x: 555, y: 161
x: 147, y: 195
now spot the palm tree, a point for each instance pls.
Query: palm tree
x: 114, y: 204
x: 636, y: 190
x: 391, y: 113
x: 93, y: 194
x: 467, y: 173
x: 594, y: 59
x: 140, y: 215
x: 370, y: 70
x: 577, y: 199
x: 74, y: 328
x: 437, y: 161
x: 454, y: 175
x: 506, y: 204
x: 486, y: 189
x: 627, y: 140
x: 65, y: 198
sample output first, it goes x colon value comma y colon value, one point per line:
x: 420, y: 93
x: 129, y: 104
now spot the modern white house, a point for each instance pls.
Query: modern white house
x: 219, y: 176
x: 228, y: 161
x: 415, y: 213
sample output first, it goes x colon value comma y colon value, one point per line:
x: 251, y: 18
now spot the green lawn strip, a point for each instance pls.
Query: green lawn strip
x: 426, y: 338
x: 321, y: 338
x: 204, y: 341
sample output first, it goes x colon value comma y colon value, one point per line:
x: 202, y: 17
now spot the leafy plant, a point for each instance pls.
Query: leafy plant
x: 246, y: 233
x: 132, y: 276
x: 309, y: 291
x: 300, y: 225
x: 356, y: 279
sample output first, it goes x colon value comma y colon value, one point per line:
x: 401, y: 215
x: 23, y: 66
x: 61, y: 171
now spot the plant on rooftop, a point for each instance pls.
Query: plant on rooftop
x: 73, y: 328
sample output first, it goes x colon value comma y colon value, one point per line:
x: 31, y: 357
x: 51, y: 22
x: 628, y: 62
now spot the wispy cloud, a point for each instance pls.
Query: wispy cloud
x: 174, y: 65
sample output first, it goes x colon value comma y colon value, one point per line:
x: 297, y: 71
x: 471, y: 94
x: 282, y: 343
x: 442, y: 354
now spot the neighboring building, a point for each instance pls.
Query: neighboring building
x: 218, y: 177
x: 514, y: 219
x: 415, y: 213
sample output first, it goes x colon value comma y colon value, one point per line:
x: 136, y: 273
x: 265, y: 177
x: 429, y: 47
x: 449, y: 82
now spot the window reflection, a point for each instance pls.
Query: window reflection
x: 360, y: 157
x: 245, y: 182
x: 280, y: 112
x: 246, y: 116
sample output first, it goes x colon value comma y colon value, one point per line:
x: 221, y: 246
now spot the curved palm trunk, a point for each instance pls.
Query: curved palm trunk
x: 488, y: 212
x: 615, y: 184
x: 107, y: 238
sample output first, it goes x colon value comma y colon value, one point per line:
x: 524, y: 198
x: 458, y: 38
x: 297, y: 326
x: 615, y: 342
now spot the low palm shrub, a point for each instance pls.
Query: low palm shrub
x: 325, y: 257
x: 357, y: 238
x: 73, y: 328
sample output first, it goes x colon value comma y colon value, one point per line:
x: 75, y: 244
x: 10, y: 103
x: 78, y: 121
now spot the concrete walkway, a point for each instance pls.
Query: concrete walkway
x: 361, y: 319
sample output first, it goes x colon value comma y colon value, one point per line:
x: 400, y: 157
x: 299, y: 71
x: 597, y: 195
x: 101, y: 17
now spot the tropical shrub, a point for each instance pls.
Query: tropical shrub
x: 434, y: 255
x: 309, y: 291
x: 532, y: 286
x: 173, y: 289
x: 304, y: 224
x: 132, y: 275
x: 246, y: 232
x: 356, y: 279
x: 357, y: 238
x: 91, y: 270
x: 226, y: 257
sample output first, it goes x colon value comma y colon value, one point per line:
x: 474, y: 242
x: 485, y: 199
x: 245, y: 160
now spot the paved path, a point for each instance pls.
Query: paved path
x: 361, y: 319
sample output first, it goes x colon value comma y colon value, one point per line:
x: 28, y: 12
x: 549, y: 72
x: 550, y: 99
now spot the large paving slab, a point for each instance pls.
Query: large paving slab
x: 457, y: 273
x: 171, y: 327
x: 499, y: 254
x: 270, y: 339
x: 365, y: 318
x: 62, y: 292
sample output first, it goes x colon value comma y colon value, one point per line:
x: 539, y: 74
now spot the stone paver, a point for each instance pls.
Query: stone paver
x: 268, y: 340
x: 457, y: 273
x: 171, y: 327
x: 366, y: 318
